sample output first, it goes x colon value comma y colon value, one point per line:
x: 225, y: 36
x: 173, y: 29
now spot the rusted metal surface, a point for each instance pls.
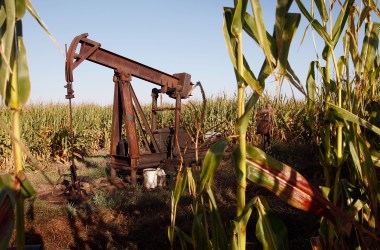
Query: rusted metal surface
x: 161, y: 145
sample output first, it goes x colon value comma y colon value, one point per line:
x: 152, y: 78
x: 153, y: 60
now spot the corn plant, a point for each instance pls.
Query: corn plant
x: 350, y: 97
x: 275, y: 49
x: 282, y: 180
x: 14, y: 90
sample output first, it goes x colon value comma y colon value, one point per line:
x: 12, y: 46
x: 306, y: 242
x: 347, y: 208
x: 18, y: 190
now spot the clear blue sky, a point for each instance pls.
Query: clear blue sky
x: 171, y: 35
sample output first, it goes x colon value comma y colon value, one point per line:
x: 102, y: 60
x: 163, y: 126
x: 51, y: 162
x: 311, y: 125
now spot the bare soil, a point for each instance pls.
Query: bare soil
x: 57, y: 221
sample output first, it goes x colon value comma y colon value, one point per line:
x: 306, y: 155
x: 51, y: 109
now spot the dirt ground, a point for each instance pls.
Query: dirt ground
x: 140, y: 219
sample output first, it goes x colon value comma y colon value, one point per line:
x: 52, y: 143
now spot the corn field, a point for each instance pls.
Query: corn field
x: 45, y: 127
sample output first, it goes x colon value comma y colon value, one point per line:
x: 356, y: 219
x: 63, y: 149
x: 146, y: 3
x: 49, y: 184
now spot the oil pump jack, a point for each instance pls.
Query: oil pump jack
x: 162, y: 145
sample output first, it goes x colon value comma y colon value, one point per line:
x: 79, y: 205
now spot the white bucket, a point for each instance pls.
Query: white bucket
x: 150, y: 178
x: 161, y: 178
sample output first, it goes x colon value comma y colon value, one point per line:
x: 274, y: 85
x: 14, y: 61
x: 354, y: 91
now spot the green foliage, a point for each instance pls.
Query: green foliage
x: 349, y: 117
x: 45, y: 126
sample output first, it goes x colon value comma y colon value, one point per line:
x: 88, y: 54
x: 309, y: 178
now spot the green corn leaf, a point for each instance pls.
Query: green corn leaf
x: 210, y: 163
x: 282, y: 7
x: 243, y: 122
x: 183, y: 237
x: 267, y: 68
x: 341, y: 65
x: 177, y: 192
x: 20, y: 9
x: 237, y: 21
x: 180, y: 185
x: 199, y: 234
x: 284, y: 29
x: 248, y: 75
x: 355, y: 159
x: 339, y: 25
x: 261, y: 31
x: 294, y: 80
x: 219, y: 238
x: 315, y: 24
x: 311, y: 89
x: 369, y: 177
x: 37, y: 17
x: 7, y: 44
x: 270, y: 230
x: 322, y: 10
x: 348, y: 116
x: 7, y: 204
x: 250, y: 27
x: 17, y: 96
x: 353, y: 197
x: 290, y: 28
x: 240, y: 223
x: 289, y: 185
x: 370, y: 46
x: 3, y: 15
x: 340, y: 22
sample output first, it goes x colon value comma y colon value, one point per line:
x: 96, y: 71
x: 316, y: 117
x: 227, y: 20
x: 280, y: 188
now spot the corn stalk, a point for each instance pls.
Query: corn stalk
x: 15, y: 91
x: 345, y: 108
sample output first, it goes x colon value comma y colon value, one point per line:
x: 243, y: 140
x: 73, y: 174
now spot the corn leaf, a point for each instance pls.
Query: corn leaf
x: 294, y: 80
x: 322, y: 10
x: 21, y: 77
x: 7, y: 204
x: 348, y: 116
x: 353, y: 44
x: 7, y: 44
x: 311, y: 89
x: 339, y: 25
x: 267, y: 68
x: 210, y: 163
x: 282, y: 8
x: 341, y: 65
x: 270, y: 230
x: 370, y: 46
x: 183, y: 237
x: 177, y: 192
x: 219, y: 238
x: 239, y: 225
x: 288, y: 184
x: 290, y: 28
x: 3, y: 15
x: 340, y: 22
x: 261, y: 31
x: 369, y: 179
x: 250, y: 27
x: 315, y: 24
x: 238, y: 19
x: 284, y: 29
x: 179, y: 188
x: 355, y: 159
x: 243, y: 121
x: 20, y: 9
x: 199, y: 234
x: 248, y: 75
x: 363, y: 15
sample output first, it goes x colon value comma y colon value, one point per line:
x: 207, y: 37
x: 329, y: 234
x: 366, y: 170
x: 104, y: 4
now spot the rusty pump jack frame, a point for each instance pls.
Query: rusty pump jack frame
x: 162, y: 145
